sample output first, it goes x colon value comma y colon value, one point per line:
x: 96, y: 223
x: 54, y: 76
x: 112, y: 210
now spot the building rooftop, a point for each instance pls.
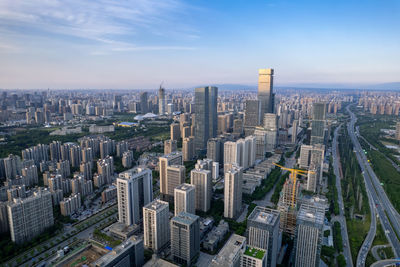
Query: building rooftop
x: 173, y: 154
x: 185, y: 187
x: 264, y: 215
x: 132, y: 172
x: 229, y: 251
x: 185, y: 218
x: 156, y: 205
x: 311, y: 214
x: 254, y: 252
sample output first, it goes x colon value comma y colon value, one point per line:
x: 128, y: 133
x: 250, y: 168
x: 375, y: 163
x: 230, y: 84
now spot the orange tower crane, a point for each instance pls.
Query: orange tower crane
x: 293, y: 176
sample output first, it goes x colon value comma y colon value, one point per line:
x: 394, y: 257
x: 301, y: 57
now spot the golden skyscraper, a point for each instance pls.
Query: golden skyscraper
x: 265, y: 90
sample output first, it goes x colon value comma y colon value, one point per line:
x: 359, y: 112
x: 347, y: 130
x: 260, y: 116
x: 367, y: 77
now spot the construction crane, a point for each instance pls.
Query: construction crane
x: 293, y: 176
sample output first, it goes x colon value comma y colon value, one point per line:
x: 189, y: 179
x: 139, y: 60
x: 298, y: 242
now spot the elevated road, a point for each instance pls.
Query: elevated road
x: 388, y: 216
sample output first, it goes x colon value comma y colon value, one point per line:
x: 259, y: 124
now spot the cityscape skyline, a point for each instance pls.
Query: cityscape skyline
x: 138, y: 44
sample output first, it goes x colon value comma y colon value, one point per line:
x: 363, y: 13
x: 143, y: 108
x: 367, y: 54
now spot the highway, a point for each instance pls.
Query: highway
x: 377, y: 196
x: 341, y: 218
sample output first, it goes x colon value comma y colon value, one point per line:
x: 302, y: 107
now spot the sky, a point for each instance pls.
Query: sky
x: 137, y: 44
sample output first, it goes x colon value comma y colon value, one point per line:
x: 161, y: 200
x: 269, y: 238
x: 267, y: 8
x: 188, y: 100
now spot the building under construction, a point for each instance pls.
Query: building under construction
x: 287, y: 206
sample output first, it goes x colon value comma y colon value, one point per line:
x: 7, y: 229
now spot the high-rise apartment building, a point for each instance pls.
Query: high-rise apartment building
x: 170, y: 146
x: 28, y: 217
x: 156, y: 225
x: 230, y: 255
x: 233, y: 192
x: 188, y: 148
x: 263, y: 232
x: 175, y: 131
x: 202, y: 181
x: 174, y: 158
x: 214, y: 149
x: 308, y: 237
x: 295, y: 125
x: 305, y: 156
x: 185, y: 238
x: 397, y: 136
x: 134, y: 190
x: 206, y: 121
x: 318, y: 123
x: 175, y: 177
x: 185, y: 198
x: 265, y: 90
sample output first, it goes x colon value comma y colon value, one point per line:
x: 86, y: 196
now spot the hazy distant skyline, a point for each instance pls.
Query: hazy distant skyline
x: 139, y: 43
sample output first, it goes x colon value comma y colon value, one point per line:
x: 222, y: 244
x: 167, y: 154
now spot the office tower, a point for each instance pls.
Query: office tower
x: 254, y: 257
x: 263, y: 232
x: 201, y: 179
x: 127, y: 159
x: 143, y: 103
x: 156, y: 225
x: 117, y: 103
x: 230, y: 255
x: 188, y: 148
x: 308, y: 237
x: 233, y: 192
x: 312, y: 179
x: 265, y: 90
x: 397, y: 136
x: 206, y: 115
x: 185, y: 238
x: 295, y: 125
x: 134, y: 190
x: 170, y: 146
x: 252, y: 116
x: 161, y: 101
x: 317, y: 160
x: 175, y: 177
x: 318, y: 123
x: 174, y: 158
x: 70, y: 204
x: 214, y: 149
x: 175, y: 131
x: 29, y: 217
x: 271, y: 128
x: 305, y: 155
x: 185, y: 196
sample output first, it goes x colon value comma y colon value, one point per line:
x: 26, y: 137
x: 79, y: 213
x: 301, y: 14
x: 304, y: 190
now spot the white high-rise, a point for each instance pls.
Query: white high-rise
x: 134, y: 190
x: 202, y: 181
x: 156, y: 225
x: 233, y: 192
x: 185, y: 197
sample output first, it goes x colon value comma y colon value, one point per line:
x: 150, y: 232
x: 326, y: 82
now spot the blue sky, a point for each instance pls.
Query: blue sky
x: 139, y: 43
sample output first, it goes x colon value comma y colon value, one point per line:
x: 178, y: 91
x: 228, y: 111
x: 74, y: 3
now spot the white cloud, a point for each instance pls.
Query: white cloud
x: 108, y: 22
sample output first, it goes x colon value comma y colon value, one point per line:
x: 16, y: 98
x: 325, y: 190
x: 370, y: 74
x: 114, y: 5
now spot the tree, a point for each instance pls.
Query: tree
x: 341, y: 261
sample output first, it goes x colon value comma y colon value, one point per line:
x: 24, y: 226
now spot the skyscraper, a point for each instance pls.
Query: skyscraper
x: 170, y: 146
x: 308, y: 237
x: 202, y: 180
x: 188, y: 148
x: 252, y: 116
x: 263, y: 232
x: 318, y: 123
x: 143, y: 103
x: 271, y: 128
x: 265, y: 90
x: 233, y: 192
x: 156, y: 225
x: 161, y: 101
x: 206, y: 121
x: 175, y: 177
x: 185, y: 238
x: 134, y: 190
x: 185, y: 197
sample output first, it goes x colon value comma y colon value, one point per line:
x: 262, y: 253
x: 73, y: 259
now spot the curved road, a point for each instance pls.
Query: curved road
x: 341, y: 218
x: 377, y: 195
x: 391, y: 262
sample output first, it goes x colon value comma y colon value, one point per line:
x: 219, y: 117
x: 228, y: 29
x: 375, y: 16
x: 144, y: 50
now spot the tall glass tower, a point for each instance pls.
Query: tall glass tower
x: 265, y: 90
x: 206, y: 120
